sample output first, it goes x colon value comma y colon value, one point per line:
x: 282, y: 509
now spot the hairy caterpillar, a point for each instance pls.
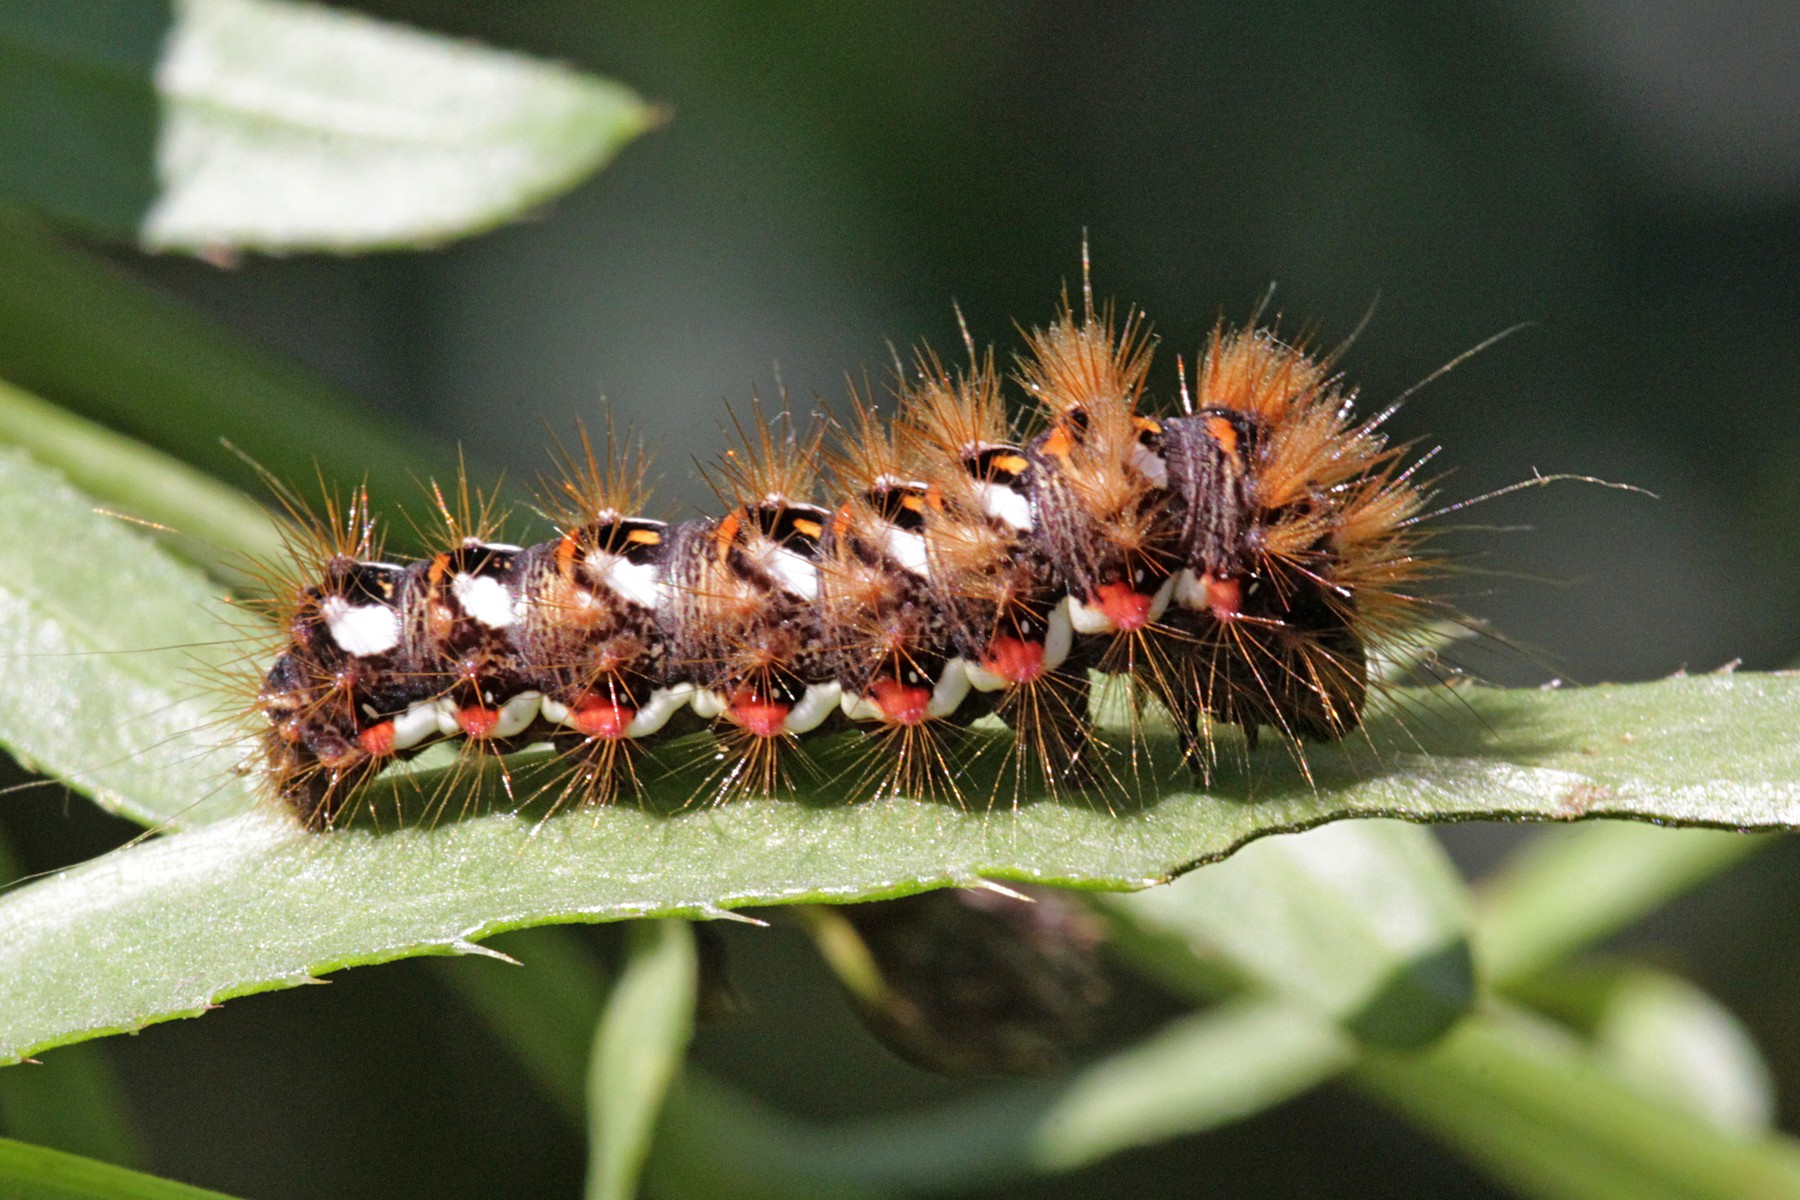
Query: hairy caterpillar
x: 1235, y: 558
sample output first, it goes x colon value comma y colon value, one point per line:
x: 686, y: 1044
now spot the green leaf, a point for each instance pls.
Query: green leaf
x: 1364, y: 924
x: 1670, y: 1040
x: 76, y: 330
x: 210, y: 524
x: 202, y: 125
x: 109, y: 646
x: 72, y: 1103
x: 35, y: 1173
x: 542, y: 1003
x: 638, y: 1049
x: 178, y: 924
x: 1200, y: 1072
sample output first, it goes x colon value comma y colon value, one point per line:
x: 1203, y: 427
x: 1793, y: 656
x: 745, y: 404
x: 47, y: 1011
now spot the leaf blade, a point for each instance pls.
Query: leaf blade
x: 639, y: 1046
x: 267, y: 125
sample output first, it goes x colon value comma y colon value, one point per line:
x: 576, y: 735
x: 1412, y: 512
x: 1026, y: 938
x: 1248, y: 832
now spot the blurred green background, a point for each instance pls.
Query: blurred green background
x: 1624, y: 176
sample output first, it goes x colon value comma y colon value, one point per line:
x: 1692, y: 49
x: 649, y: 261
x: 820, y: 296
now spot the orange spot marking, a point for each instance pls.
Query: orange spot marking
x: 644, y: 537
x: 440, y: 563
x: 1012, y: 464
x: 476, y: 721
x: 1060, y: 444
x: 1224, y: 433
x: 1147, y: 425
x: 1014, y: 659
x: 598, y: 717
x: 757, y: 714
x: 1126, y: 609
x: 726, y: 534
x: 566, y: 549
x: 914, y: 502
x: 811, y: 529
x: 1224, y: 598
x: 900, y: 704
x: 377, y: 740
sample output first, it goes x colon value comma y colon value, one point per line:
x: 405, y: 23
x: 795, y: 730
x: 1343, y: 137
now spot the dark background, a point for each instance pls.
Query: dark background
x: 1623, y: 175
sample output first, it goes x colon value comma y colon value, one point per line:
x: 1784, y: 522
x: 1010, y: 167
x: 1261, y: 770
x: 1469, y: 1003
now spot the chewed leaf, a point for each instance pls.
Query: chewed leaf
x: 262, y: 124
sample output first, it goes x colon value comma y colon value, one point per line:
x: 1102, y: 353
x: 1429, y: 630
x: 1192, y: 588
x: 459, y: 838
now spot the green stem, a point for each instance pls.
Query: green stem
x: 1572, y: 887
x: 1526, y: 1101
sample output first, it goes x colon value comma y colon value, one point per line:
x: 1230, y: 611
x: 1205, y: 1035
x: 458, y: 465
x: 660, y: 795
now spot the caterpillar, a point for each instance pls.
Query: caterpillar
x: 1235, y: 557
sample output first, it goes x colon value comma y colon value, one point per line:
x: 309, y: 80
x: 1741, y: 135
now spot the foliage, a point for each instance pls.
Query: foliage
x: 1352, y: 951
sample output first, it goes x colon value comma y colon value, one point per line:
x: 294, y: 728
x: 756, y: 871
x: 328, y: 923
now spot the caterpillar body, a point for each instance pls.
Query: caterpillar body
x: 1235, y: 558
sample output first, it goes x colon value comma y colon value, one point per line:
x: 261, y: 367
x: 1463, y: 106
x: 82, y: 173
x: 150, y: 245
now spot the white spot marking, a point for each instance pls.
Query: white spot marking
x: 1005, y: 505
x: 638, y: 583
x: 1150, y: 465
x: 484, y: 598
x: 798, y: 576
x: 906, y: 549
x: 360, y: 630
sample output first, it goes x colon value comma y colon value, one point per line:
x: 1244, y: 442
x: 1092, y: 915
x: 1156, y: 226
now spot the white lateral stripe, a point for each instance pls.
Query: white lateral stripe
x: 1190, y: 591
x: 1058, y: 640
x: 361, y: 630
x: 448, y: 725
x: 663, y: 704
x: 859, y: 708
x: 415, y: 725
x: 815, y: 705
x: 706, y: 703
x: 517, y: 714
x: 1085, y: 618
x: 951, y: 690
x: 982, y: 679
x: 1159, y: 603
x: 484, y: 598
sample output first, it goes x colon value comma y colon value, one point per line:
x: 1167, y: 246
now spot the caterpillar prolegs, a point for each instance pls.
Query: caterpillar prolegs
x: 1235, y: 557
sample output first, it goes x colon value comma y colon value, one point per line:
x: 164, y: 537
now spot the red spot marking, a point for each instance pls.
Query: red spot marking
x: 1224, y: 598
x: 1126, y: 609
x: 476, y: 721
x: 1014, y: 659
x: 598, y: 717
x: 900, y: 704
x: 756, y: 713
x: 377, y: 740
